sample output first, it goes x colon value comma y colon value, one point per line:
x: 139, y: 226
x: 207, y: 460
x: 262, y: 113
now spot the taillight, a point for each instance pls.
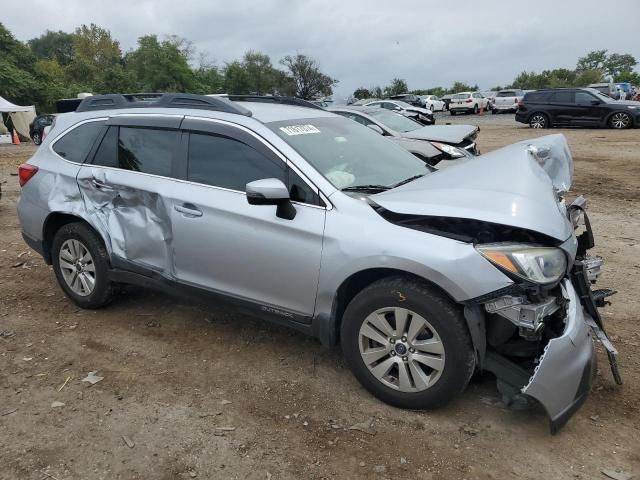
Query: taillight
x: 520, y: 103
x: 25, y: 172
x: 469, y: 101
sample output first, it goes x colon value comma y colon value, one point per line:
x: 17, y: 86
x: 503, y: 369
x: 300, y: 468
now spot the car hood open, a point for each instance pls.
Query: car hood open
x: 517, y: 186
x: 442, y: 133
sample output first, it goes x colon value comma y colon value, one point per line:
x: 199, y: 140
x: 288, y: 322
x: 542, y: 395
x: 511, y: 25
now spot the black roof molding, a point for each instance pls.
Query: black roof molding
x: 115, y: 101
x: 298, y: 102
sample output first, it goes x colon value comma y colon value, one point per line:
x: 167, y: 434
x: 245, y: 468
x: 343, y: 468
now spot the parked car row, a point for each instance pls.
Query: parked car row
x: 423, y: 276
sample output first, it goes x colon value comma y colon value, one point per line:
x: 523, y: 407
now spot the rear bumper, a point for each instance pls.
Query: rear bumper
x: 562, y: 380
x: 522, y: 117
x: 506, y: 108
x: 34, y: 244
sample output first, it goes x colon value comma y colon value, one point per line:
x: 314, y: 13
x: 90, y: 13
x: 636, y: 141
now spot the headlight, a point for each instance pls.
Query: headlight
x: 537, y: 264
x: 453, y: 152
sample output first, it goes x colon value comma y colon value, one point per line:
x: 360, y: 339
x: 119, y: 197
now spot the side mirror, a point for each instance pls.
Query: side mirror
x: 595, y: 102
x: 375, y: 128
x: 271, y: 191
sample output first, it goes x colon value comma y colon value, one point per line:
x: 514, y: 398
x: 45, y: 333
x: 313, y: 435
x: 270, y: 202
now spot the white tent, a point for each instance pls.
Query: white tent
x: 20, y: 116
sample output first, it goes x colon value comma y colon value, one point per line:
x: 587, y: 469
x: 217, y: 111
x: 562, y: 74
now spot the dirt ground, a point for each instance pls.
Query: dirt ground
x: 193, y: 391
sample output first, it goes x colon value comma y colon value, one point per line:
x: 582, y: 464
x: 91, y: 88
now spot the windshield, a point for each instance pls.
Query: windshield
x: 347, y: 153
x: 395, y: 121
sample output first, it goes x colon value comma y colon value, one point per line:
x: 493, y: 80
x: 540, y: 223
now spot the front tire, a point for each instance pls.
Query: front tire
x: 407, y: 343
x: 620, y: 121
x: 81, y: 266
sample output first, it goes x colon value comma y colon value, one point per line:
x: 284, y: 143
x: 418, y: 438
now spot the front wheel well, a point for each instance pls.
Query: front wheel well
x: 54, y: 222
x: 357, y: 282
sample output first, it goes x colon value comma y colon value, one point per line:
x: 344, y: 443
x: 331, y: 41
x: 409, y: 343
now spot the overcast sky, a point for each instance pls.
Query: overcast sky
x: 363, y: 42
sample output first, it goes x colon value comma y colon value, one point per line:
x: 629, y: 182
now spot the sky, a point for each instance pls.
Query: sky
x: 363, y: 42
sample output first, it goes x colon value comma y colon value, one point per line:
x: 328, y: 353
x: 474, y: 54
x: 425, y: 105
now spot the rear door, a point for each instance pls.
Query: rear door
x: 127, y: 189
x: 562, y: 107
x: 224, y: 244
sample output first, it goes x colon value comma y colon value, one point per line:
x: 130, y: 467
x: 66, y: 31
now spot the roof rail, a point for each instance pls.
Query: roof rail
x: 115, y: 101
x: 298, y: 102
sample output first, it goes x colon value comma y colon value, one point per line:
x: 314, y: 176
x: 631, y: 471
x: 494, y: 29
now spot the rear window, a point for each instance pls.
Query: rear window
x: 461, y: 95
x: 76, y: 144
x: 536, y: 97
x: 510, y: 93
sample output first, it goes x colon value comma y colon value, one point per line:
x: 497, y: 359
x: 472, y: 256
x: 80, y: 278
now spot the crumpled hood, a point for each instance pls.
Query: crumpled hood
x: 442, y: 133
x: 516, y: 186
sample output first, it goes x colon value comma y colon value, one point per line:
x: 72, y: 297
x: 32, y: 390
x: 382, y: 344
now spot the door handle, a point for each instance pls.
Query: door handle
x: 188, y: 209
x: 100, y: 185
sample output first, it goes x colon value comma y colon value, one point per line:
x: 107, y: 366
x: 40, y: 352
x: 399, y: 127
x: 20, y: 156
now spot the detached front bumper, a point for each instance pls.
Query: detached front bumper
x: 562, y: 380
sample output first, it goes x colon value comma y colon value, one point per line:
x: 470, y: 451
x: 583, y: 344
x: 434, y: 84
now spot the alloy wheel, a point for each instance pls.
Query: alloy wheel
x: 538, y: 121
x: 620, y: 120
x: 77, y: 267
x: 36, y: 139
x: 401, y: 349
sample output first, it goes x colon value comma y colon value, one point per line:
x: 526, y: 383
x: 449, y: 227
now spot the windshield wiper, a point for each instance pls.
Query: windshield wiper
x: 407, y: 180
x: 357, y: 188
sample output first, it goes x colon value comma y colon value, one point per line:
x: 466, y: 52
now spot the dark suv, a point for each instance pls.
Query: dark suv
x: 37, y: 127
x: 584, y: 107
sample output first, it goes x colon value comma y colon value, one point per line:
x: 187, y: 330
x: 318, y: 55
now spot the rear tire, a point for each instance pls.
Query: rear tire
x: 539, y: 120
x: 37, y: 139
x: 81, y: 266
x: 475, y: 109
x: 414, y: 323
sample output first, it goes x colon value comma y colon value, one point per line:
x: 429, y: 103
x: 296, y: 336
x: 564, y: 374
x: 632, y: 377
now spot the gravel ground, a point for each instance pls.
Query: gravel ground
x: 203, y: 391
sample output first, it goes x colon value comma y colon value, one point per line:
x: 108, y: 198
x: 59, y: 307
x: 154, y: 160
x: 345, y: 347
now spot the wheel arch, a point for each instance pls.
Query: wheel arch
x: 54, y: 222
x: 328, y: 329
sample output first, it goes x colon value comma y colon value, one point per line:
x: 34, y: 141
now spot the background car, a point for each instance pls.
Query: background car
x: 506, y: 101
x: 606, y: 88
x: 576, y: 107
x: 420, y: 114
x: 467, y: 102
x: 433, y: 144
x: 433, y: 103
x: 446, y: 99
x: 489, y: 96
x: 37, y: 127
x: 409, y: 98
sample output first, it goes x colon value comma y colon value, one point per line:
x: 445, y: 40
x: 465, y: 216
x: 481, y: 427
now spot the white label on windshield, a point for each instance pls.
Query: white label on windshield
x: 299, y: 130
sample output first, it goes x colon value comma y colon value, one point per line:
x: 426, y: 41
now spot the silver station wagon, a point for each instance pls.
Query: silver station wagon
x: 322, y: 224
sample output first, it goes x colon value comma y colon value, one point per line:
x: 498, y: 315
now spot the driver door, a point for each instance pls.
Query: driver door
x: 224, y: 244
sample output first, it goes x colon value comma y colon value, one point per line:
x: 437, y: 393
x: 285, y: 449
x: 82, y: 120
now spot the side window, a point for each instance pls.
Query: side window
x: 77, y: 143
x: 107, y: 153
x: 143, y: 150
x: 147, y: 150
x: 360, y: 119
x: 224, y: 162
x: 562, y: 97
x: 584, y: 98
x: 300, y: 191
x: 389, y: 106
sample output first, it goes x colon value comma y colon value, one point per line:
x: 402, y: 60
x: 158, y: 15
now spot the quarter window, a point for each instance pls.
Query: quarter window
x: 562, y: 97
x: 76, y: 144
x: 224, y: 162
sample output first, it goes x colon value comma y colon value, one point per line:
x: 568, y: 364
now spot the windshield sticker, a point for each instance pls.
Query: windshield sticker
x: 299, y: 130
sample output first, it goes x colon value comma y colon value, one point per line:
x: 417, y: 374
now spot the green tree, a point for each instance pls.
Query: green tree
x: 17, y: 70
x: 158, y: 67
x: 236, y: 79
x: 96, y: 56
x: 595, y: 60
x: 362, y: 93
x: 309, y: 81
x: 617, y: 63
x: 53, y: 46
x: 260, y: 72
x: 632, y: 77
x: 460, y: 87
x: 396, y: 87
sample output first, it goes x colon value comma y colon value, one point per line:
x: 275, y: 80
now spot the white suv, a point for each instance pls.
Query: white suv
x: 468, y: 102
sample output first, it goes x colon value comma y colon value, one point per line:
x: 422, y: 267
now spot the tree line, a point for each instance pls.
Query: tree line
x: 595, y: 67
x: 60, y: 64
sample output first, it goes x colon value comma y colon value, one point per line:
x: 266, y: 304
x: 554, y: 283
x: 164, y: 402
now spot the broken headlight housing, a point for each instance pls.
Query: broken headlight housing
x: 450, y: 150
x: 541, y: 265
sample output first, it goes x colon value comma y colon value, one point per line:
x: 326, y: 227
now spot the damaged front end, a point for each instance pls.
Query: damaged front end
x: 535, y: 334
x: 539, y: 342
